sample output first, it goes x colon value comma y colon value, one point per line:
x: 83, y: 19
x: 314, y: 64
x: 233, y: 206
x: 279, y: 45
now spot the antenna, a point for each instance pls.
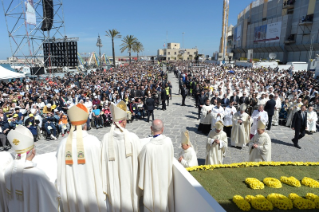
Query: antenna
x: 272, y: 56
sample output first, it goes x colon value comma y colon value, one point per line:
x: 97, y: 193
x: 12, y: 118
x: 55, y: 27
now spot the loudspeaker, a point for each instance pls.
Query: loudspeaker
x: 37, y: 70
x: 60, y: 54
x: 48, y: 14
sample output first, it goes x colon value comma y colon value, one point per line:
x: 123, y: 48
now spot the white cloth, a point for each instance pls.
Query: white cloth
x: 120, y: 176
x: 262, y: 101
x: 311, y: 121
x: 216, y: 117
x: 263, y: 117
x: 215, y: 153
x: 39, y: 194
x: 263, y: 151
x: 206, y: 118
x: 80, y: 185
x: 155, y: 175
x: 5, y: 160
x: 240, y: 132
x: 88, y: 105
x: 294, y: 107
x: 189, y: 157
x: 228, y: 118
x: 275, y: 118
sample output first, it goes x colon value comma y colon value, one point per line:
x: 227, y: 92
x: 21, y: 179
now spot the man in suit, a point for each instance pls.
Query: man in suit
x: 180, y: 82
x: 150, y: 105
x: 299, y: 124
x: 225, y: 101
x: 184, y: 94
x: 235, y: 99
x: 201, y: 102
x: 270, y: 109
x: 244, y: 99
x: 163, y: 98
x: 215, y: 98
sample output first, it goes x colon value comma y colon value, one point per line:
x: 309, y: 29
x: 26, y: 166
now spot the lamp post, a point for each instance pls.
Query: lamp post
x: 99, y: 44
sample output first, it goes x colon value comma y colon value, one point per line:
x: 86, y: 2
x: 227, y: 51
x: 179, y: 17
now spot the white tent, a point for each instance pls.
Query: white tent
x: 7, y: 74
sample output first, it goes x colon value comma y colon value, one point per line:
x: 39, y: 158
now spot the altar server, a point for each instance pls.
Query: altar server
x: 241, y: 128
x: 230, y: 110
x: 187, y: 157
x: 275, y: 118
x: 216, y: 145
x: 79, y: 180
x: 206, y: 117
x: 120, y: 149
x: 311, y: 120
x: 218, y: 113
x: 5, y: 160
x: 28, y: 189
x: 260, y: 145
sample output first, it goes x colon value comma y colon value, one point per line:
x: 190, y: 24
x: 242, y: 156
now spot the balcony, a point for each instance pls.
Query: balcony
x: 288, y: 4
x: 306, y: 20
x: 291, y: 39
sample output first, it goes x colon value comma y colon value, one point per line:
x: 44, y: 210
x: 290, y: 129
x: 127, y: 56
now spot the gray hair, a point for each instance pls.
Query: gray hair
x: 157, y: 125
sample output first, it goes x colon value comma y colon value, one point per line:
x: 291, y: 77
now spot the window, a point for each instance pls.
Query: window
x: 169, y: 58
x: 187, y: 52
x: 169, y: 53
x: 174, y: 53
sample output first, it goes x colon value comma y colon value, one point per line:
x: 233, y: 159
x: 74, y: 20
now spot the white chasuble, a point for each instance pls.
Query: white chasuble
x: 80, y: 185
x: 311, y: 121
x: 240, y: 132
x: 120, y: 176
x: 215, y: 153
x: 228, y: 120
x: 38, y: 193
x: 206, y: 117
x: 217, y: 115
x: 189, y: 157
x: 263, y: 117
x: 5, y: 160
x: 156, y: 175
x: 263, y: 151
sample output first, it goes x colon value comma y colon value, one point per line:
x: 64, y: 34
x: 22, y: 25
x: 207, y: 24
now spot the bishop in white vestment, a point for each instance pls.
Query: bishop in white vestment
x: 311, y: 120
x: 218, y: 113
x: 79, y: 179
x: 28, y: 189
x: 5, y: 160
x: 156, y: 172
x: 257, y: 115
x: 241, y: 128
x: 187, y: 157
x: 216, y: 145
x: 120, y: 149
x: 260, y: 145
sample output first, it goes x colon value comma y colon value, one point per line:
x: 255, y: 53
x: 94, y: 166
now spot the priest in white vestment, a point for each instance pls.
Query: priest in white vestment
x: 218, y: 113
x: 311, y: 120
x: 28, y: 189
x: 241, y: 128
x: 294, y: 107
x: 120, y: 149
x: 260, y: 145
x: 275, y: 118
x: 257, y: 115
x: 79, y: 179
x: 187, y: 157
x: 230, y: 110
x: 206, y: 117
x: 5, y: 160
x: 156, y: 171
x: 216, y: 145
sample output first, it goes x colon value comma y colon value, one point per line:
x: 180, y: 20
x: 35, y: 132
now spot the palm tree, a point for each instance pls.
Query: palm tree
x: 113, y: 33
x: 138, y: 47
x: 128, y: 44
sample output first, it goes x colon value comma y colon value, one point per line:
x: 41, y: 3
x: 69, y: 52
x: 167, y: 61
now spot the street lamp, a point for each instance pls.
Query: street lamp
x: 99, y: 44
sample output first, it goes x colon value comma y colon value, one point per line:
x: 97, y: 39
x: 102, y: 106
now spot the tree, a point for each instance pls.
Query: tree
x: 128, y: 44
x: 138, y: 47
x: 113, y: 33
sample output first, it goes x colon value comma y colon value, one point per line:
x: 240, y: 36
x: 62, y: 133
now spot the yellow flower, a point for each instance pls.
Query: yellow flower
x: 254, y: 183
x: 314, y: 198
x: 280, y: 201
x: 301, y: 203
x: 292, y: 181
x: 310, y: 182
x: 272, y: 182
x: 261, y: 203
x: 241, y: 203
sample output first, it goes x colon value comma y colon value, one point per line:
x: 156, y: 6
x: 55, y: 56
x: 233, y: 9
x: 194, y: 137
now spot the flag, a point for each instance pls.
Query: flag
x: 164, y: 45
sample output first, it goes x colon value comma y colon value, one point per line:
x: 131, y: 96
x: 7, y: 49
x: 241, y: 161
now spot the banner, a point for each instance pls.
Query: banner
x: 30, y: 13
x: 237, y: 36
x: 268, y: 33
x: 260, y: 33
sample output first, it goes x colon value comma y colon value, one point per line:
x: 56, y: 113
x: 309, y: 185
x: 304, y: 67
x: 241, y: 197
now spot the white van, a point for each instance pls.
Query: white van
x: 298, y: 66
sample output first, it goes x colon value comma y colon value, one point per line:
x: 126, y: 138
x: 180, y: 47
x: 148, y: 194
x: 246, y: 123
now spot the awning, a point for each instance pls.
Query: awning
x: 7, y: 74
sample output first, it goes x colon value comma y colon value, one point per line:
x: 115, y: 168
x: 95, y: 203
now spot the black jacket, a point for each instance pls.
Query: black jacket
x: 234, y: 99
x: 270, y: 107
x: 183, y: 91
x: 150, y: 104
x: 243, y: 100
x: 297, y: 121
x: 201, y: 100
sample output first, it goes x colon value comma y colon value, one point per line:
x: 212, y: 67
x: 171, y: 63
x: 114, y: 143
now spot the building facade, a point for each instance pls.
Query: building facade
x: 174, y: 52
x: 289, y: 28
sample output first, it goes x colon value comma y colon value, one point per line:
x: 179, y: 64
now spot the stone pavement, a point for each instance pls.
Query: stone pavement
x: 178, y: 118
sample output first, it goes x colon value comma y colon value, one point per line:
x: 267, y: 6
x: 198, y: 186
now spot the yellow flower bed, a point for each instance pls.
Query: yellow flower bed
x: 272, y: 182
x: 280, y: 201
x: 301, y: 203
x: 314, y: 198
x: 292, y: 181
x: 241, y: 203
x: 310, y: 182
x: 261, y: 203
x: 250, y: 164
x: 254, y: 183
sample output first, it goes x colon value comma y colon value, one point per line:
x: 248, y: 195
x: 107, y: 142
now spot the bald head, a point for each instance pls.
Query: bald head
x: 157, y: 126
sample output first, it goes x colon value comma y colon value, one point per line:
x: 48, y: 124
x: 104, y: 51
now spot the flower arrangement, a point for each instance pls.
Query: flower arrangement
x: 254, y: 183
x: 314, y: 198
x: 249, y: 198
x: 292, y: 181
x: 272, y: 182
x: 250, y: 164
x: 310, y: 182
x: 241, y: 203
x: 261, y: 203
x: 300, y: 202
x: 280, y: 201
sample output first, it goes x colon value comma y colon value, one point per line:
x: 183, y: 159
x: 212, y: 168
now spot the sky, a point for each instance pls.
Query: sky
x: 151, y: 22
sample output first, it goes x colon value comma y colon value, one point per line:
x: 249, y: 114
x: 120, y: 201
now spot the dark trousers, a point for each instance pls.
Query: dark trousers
x: 269, y: 122
x: 163, y: 105
x: 3, y: 139
x: 167, y: 101
x: 149, y: 112
x: 299, y: 133
x: 227, y: 130
x: 183, y: 100
x: 199, y: 110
